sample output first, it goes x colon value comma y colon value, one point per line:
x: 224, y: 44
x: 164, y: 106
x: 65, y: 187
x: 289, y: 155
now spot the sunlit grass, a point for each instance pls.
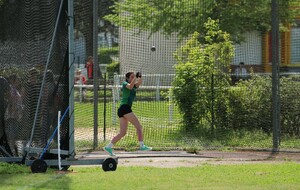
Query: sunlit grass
x: 243, y: 176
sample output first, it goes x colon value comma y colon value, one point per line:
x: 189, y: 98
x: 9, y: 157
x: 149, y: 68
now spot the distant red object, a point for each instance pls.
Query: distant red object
x: 89, y: 67
x: 80, y: 77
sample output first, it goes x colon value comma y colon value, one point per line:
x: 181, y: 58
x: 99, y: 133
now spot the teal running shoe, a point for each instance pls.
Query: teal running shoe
x: 109, y: 151
x: 145, y: 148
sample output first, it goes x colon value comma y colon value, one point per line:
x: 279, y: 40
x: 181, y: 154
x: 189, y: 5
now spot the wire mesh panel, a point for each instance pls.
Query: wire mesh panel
x: 84, y: 61
x: 289, y: 80
x: 289, y: 113
x: 206, y: 71
x: 34, y: 63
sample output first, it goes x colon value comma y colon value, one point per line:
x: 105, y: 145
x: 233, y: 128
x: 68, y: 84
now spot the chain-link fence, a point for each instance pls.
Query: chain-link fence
x: 206, y: 90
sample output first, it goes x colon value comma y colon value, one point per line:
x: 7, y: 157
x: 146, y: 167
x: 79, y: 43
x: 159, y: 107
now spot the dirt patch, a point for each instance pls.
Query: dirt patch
x: 173, y: 159
x: 88, y: 133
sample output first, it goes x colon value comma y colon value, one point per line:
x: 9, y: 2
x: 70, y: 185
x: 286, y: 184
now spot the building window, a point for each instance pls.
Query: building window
x: 295, y: 43
x: 250, y: 51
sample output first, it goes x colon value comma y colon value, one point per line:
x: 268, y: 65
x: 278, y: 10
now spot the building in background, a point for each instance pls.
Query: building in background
x: 136, y: 52
x: 254, y: 51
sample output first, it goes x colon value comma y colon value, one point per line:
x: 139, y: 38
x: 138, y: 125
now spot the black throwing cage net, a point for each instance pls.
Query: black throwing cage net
x: 34, y: 66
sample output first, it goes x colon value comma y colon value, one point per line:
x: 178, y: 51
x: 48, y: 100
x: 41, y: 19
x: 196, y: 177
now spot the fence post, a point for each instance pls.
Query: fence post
x: 95, y: 71
x: 117, y: 82
x: 80, y: 88
x: 275, y: 76
x: 157, y: 97
x: 212, y: 88
x: 58, y: 140
x: 171, y: 107
x: 71, y: 78
x: 115, y: 94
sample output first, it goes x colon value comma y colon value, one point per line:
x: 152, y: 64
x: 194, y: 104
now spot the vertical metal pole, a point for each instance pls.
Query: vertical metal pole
x: 114, y: 107
x: 157, y: 96
x: 171, y: 107
x: 58, y: 140
x: 95, y: 69
x: 118, y: 87
x: 71, y: 78
x: 104, y: 111
x: 80, y: 89
x: 275, y: 76
x: 212, y: 103
x: 78, y: 62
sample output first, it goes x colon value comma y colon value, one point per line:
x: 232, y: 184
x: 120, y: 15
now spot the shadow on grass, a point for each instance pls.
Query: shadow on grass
x: 15, y: 176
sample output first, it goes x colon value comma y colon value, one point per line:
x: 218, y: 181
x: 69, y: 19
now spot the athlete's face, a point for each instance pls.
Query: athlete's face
x: 131, y: 77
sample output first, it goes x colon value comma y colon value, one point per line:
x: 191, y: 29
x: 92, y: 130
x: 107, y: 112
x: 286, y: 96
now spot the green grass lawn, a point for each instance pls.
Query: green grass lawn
x: 162, y: 130
x: 248, y: 176
x: 150, y: 113
x: 159, y: 127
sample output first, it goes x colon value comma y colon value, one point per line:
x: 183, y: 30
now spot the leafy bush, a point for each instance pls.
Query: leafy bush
x: 112, y: 68
x: 250, y: 104
x: 105, y: 57
x: 105, y: 54
x: 290, y: 106
x: 201, y: 75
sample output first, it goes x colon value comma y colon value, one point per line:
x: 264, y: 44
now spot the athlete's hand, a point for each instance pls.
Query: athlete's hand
x: 138, y: 75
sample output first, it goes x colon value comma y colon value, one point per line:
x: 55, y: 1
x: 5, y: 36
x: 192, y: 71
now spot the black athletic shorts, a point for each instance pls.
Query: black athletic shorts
x: 124, y: 109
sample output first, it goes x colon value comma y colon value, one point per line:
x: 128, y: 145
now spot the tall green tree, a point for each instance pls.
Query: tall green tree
x: 201, y: 78
x: 188, y: 16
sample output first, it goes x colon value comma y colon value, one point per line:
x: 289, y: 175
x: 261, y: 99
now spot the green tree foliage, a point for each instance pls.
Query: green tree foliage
x: 105, y: 54
x: 201, y: 76
x: 188, y: 16
x: 106, y: 57
x: 113, y: 68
